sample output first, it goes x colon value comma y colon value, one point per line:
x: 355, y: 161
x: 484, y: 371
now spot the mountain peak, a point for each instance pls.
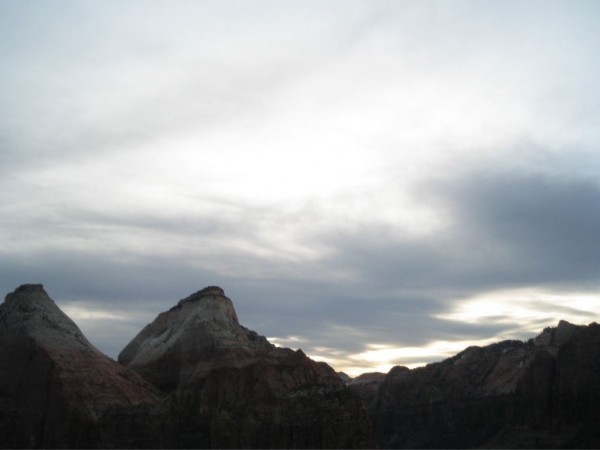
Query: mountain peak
x: 28, y: 293
x: 222, y: 376
x: 56, y: 389
x: 554, y: 337
x: 207, y: 292
x: 29, y: 308
x: 29, y: 287
x: 197, y: 326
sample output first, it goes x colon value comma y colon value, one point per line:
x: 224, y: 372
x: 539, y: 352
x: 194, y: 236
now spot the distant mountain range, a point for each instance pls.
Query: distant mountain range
x: 196, y: 378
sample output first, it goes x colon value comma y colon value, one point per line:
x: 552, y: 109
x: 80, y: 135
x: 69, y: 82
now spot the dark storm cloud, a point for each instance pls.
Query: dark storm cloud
x: 504, y: 230
x: 533, y: 228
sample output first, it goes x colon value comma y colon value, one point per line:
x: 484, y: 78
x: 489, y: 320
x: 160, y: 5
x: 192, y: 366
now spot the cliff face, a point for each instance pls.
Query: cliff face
x: 229, y: 387
x: 56, y: 389
x: 541, y: 393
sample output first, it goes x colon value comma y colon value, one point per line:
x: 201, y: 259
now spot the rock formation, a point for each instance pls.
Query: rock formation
x: 543, y: 393
x: 56, y: 389
x: 195, y: 377
x: 231, y: 388
x: 210, y: 383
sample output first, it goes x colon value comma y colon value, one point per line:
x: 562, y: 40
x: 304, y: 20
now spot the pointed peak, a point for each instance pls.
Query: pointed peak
x: 30, y: 309
x: 26, y: 290
x: 565, y: 324
x: 29, y: 296
x: 208, y: 291
x: 557, y: 336
x: 204, y: 323
x: 30, y: 287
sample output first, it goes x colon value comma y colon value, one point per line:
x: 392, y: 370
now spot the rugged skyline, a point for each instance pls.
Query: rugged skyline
x: 374, y: 182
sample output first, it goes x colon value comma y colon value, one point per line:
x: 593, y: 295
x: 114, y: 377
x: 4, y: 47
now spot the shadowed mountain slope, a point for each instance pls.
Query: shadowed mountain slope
x: 543, y: 393
x: 56, y: 389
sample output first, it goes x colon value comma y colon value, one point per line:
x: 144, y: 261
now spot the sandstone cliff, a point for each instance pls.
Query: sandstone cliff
x: 543, y: 393
x: 56, y: 389
x: 229, y: 387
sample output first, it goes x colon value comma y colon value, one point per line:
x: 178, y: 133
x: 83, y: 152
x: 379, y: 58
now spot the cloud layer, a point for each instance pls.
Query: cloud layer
x: 361, y: 177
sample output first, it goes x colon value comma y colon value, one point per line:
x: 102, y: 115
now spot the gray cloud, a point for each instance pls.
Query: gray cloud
x: 507, y: 231
x: 146, y: 155
x: 533, y: 228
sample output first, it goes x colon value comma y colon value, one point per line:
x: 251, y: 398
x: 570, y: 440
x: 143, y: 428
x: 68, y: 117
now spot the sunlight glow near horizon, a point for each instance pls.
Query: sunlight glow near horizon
x: 526, y: 311
x: 527, y: 307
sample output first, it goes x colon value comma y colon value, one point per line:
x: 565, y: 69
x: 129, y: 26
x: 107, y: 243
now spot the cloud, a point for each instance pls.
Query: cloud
x: 356, y: 175
x: 533, y: 228
x: 369, y: 284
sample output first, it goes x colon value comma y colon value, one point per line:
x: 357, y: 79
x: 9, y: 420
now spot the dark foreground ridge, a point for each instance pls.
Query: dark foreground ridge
x: 196, y: 378
x: 543, y: 393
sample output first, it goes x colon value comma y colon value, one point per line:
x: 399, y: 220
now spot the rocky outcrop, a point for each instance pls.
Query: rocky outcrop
x: 540, y: 393
x: 229, y: 387
x: 57, y: 390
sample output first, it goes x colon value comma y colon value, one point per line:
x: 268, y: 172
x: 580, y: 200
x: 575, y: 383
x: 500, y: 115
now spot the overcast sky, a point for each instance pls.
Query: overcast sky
x: 375, y: 182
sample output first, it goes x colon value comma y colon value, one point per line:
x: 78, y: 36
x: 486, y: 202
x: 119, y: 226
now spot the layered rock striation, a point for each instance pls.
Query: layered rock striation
x: 543, y: 393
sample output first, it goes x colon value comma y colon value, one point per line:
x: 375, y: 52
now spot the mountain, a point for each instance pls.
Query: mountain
x: 543, y: 393
x: 196, y: 378
x: 56, y: 389
x: 231, y: 388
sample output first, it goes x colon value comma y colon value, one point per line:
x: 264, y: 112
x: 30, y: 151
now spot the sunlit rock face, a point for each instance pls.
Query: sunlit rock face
x: 56, y: 389
x: 226, y: 386
x: 194, y: 337
x: 542, y: 393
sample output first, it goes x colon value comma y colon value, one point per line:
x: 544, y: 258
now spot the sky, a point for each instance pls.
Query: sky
x: 376, y: 182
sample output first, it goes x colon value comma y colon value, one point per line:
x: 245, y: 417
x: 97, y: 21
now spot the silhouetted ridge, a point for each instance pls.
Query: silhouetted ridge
x: 542, y: 393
